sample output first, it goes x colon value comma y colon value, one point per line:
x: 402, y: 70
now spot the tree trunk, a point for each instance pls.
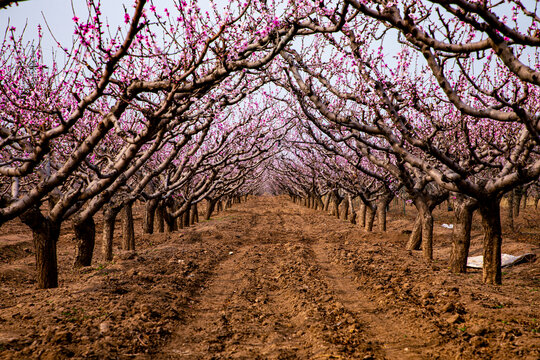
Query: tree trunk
x: 363, y: 210
x: 185, y: 218
x: 85, y: 238
x: 345, y: 211
x: 336, y: 201
x: 210, y: 206
x: 181, y: 220
x: 510, y: 212
x: 353, y: 211
x: 109, y: 219
x: 370, y: 216
x: 463, y: 211
x: 149, y: 215
x: 424, y: 225
x: 427, y: 235
x: 320, y: 203
x: 45, y: 235
x: 327, y: 202
x: 415, y: 239
x: 160, y: 217
x: 491, y: 222
x: 381, y: 214
x: 518, y: 193
x: 170, y: 222
x: 194, y: 214
x: 128, y: 234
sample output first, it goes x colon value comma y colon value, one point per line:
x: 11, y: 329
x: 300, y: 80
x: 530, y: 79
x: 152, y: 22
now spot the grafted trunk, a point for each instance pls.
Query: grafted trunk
x: 149, y: 216
x: 415, y: 239
x: 85, y: 238
x: 491, y: 222
x: 45, y: 235
x: 463, y: 211
x: 128, y: 231
x: 363, y: 210
x: 370, y: 216
x: 109, y: 219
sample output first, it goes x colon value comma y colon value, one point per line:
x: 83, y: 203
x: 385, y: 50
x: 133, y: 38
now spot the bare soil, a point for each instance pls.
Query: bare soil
x: 269, y: 279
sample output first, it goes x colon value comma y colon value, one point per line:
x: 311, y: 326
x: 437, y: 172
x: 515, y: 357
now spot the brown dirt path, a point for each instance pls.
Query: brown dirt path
x: 294, y: 291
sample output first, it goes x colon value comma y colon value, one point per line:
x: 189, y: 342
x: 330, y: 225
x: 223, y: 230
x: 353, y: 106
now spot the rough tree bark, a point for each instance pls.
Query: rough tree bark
x: 463, y: 211
x: 370, y: 217
x: 186, y: 216
x: 415, y: 239
x: 518, y: 194
x: 427, y: 235
x: 327, y: 202
x: 160, y: 217
x: 210, y: 206
x: 345, y: 212
x: 336, y: 201
x: 510, y: 212
x: 353, y: 211
x: 128, y: 231
x: 85, y: 239
x: 382, y: 206
x: 45, y: 235
x: 363, y: 210
x: 171, y: 223
x: 109, y: 219
x: 194, y: 214
x: 149, y: 216
x: 491, y: 222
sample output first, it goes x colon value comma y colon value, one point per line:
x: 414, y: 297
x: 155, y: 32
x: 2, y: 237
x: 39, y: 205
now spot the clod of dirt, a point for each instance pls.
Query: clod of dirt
x: 478, y: 342
x: 478, y: 330
x: 455, y: 319
x: 104, y: 327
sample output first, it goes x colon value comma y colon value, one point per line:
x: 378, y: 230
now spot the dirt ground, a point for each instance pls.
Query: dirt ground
x: 269, y: 279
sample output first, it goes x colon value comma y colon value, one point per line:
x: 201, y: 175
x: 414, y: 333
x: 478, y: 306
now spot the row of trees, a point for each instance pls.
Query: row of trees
x: 160, y: 111
x: 182, y: 105
x: 457, y: 112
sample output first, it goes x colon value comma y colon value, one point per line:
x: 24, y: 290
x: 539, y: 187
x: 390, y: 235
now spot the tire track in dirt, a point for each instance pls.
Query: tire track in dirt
x: 386, y: 329
x: 268, y: 300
